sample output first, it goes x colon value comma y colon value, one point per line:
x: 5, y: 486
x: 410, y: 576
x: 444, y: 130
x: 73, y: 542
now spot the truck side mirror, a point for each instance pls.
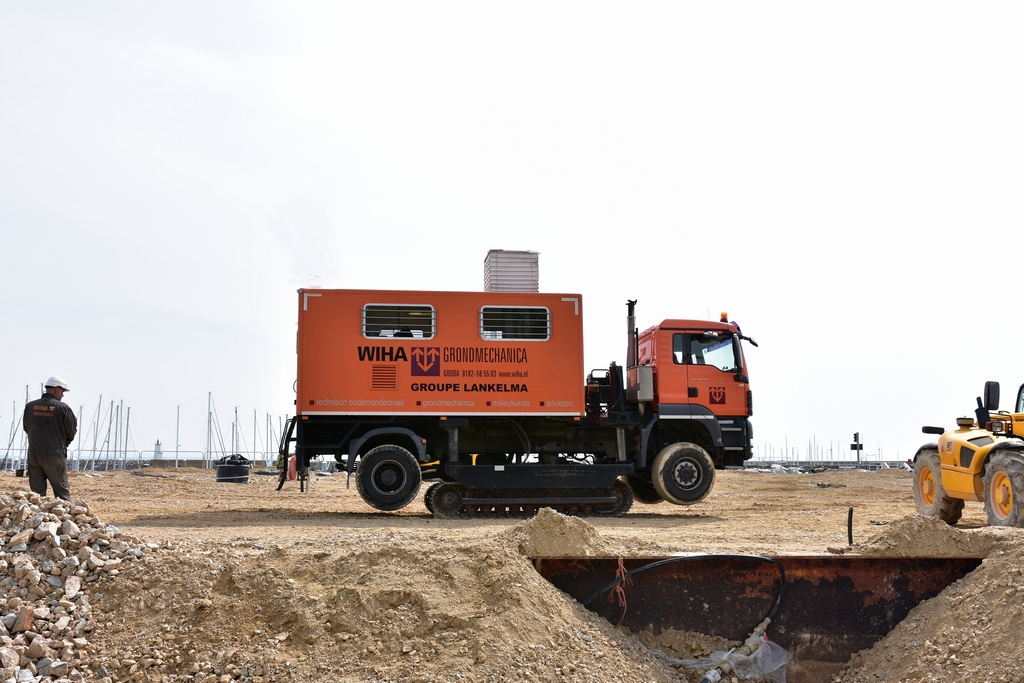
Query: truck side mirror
x: 933, y: 430
x: 991, y: 395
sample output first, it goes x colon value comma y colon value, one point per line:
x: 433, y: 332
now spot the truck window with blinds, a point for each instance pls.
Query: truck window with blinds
x: 390, y: 320
x: 527, y: 323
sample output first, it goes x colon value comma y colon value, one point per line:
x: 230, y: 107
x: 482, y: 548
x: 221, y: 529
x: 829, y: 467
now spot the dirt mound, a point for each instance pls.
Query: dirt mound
x: 970, y: 631
x: 550, y: 534
x: 930, y: 536
x: 391, y: 608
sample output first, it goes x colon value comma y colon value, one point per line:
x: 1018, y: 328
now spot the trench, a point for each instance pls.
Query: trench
x: 831, y: 607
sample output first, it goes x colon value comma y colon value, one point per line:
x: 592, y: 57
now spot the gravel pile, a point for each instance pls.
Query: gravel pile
x: 51, y: 550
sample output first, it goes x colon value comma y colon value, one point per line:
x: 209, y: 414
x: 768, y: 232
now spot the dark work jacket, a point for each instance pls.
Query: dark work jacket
x: 50, y: 425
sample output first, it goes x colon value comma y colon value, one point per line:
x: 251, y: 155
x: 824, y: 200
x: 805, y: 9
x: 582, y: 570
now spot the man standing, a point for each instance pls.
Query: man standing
x: 51, y: 426
x: 282, y: 465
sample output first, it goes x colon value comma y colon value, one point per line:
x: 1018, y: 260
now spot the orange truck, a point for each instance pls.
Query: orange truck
x: 484, y: 394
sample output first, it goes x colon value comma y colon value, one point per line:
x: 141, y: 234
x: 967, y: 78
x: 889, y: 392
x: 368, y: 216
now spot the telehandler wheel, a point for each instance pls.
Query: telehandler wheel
x: 1004, y: 489
x: 929, y: 495
x: 683, y: 473
x: 388, y: 477
x: 644, y: 490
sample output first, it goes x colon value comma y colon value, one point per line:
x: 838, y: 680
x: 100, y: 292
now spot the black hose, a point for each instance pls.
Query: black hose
x: 691, y: 558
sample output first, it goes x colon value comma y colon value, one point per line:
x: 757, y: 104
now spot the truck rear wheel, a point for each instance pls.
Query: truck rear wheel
x: 1004, y: 489
x: 929, y: 495
x: 388, y: 477
x: 643, y: 490
x: 683, y: 473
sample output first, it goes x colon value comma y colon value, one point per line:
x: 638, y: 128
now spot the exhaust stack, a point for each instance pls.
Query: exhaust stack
x: 631, y: 350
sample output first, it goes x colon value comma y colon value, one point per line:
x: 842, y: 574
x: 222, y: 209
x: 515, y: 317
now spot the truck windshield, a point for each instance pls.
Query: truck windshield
x: 709, y: 348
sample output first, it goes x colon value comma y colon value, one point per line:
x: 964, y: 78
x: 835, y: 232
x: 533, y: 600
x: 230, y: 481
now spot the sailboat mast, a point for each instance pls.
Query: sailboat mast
x: 209, y: 424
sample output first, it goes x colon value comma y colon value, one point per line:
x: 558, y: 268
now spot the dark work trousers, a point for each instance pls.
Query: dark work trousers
x: 282, y: 478
x: 48, y: 468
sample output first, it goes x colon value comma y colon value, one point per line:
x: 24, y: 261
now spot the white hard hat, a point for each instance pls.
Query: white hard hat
x: 57, y: 382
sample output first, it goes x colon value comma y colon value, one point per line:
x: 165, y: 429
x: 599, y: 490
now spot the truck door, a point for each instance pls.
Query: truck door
x: 712, y: 361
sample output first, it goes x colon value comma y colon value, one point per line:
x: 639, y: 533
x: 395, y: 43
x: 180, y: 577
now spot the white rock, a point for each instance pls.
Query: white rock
x: 72, y: 586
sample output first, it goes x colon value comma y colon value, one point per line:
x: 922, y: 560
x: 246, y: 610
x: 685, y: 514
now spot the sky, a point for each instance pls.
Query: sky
x: 843, y: 179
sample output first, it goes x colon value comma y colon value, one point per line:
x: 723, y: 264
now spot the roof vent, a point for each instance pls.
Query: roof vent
x: 511, y: 271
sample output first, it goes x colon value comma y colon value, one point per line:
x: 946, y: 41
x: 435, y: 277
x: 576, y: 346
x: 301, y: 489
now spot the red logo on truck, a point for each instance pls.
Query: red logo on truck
x: 426, y: 361
x: 717, y: 394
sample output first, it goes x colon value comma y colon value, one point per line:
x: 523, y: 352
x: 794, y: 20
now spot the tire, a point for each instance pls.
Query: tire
x: 929, y: 494
x: 683, y: 473
x: 428, y: 497
x: 446, y: 500
x: 1004, y: 489
x: 623, y: 500
x: 644, y: 491
x: 388, y: 477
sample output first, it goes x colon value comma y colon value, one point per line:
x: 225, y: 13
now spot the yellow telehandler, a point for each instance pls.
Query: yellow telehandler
x: 982, y: 459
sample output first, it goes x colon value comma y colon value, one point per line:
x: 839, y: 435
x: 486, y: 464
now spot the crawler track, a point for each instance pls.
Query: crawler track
x: 448, y: 500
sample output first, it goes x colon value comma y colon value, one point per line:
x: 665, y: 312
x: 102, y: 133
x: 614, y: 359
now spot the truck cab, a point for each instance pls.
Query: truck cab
x: 699, y: 374
x: 695, y: 363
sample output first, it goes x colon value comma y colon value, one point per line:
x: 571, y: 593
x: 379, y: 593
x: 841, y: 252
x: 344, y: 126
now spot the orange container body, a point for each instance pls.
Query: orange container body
x: 380, y: 352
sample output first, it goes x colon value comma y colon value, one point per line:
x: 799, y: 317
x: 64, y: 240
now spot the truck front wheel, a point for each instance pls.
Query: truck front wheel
x: 388, y: 477
x: 1004, y: 489
x: 683, y: 473
x: 929, y: 495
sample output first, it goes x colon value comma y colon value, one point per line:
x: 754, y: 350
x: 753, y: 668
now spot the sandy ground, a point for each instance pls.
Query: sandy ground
x: 747, y: 512
x: 253, y: 584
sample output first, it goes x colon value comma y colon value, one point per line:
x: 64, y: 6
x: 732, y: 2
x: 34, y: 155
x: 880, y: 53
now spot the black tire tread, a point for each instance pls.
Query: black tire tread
x: 946, y: 508
x: 1012, y: 464
x: 694, y: 451
x: 369, y: 497
x: 428, y: 497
